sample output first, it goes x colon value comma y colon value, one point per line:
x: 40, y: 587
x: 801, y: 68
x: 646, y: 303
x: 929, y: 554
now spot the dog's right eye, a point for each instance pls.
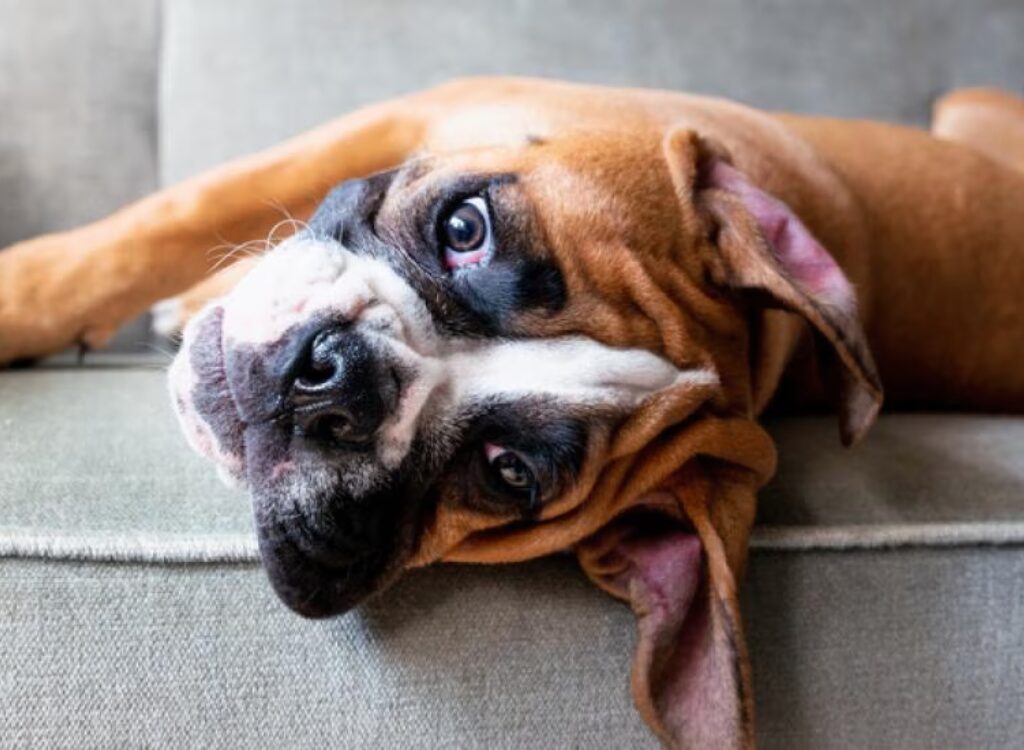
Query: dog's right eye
x: 465, y: 234
x: 511, y: 473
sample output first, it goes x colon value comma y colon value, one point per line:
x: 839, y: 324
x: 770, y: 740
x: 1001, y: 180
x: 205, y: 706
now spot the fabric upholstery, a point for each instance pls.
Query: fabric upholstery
x: 99, y: 454
x: 234, y: 82
x: 206, y: 657
x: 77, y: 92
x: 902, y: 648
x: 913, y: 648
x: 912, y: 468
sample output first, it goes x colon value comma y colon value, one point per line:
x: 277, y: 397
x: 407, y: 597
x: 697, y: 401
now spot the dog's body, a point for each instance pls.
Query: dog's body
x: 892, y: 204
x: 657, y: 268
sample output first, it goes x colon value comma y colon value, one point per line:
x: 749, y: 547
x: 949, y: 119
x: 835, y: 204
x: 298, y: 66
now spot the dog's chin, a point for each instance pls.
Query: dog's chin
x: 313, y: 574
x: 314, y: 586
x: 329, y: 536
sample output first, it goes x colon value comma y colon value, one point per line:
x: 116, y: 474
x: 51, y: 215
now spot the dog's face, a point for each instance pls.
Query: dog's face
x: 433, y: 355
x: 483, y: 355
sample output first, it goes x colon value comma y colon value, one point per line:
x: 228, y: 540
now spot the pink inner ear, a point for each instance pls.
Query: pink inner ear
x: 668, y: 567
x: 803, y: 257
x: 684, y: 669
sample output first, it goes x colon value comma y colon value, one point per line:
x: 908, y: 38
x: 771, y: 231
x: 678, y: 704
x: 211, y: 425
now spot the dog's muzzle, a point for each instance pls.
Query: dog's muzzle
x: 303, y: 385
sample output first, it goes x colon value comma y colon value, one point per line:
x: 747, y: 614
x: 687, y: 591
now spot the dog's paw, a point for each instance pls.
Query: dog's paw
x: 48, y: 300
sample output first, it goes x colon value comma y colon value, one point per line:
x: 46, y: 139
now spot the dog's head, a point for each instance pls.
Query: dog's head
x: 495, y: 354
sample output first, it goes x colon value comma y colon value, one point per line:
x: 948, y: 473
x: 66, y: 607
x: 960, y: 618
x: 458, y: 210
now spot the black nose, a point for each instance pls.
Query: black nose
x: 341, y: 394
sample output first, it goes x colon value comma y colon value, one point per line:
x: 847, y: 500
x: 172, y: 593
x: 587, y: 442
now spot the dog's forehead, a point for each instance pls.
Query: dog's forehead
x: 598, y: 207
x: 573, y: 369
x: 602, y: 209
x: 605, y: 157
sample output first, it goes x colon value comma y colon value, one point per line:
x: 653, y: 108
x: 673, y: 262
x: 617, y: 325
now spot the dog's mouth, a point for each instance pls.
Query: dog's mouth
x: 202, y: 397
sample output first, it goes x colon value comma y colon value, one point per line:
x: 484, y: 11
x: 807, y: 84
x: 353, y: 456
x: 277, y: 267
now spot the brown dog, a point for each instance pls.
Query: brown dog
x: 549, y: 320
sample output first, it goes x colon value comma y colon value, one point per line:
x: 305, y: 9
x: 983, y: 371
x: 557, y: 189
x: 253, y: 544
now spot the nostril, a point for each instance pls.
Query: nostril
x: 340, y: 392
x: 314, y: 377
x: 323, y: 362
x: 332, y: 426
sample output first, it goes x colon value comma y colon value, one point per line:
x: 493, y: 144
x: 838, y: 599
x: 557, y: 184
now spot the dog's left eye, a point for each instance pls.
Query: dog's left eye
x: 511, y: 471
x: 465, y: 234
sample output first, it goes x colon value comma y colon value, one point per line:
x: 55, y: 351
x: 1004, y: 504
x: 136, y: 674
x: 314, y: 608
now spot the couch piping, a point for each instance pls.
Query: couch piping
x: 852, y: 537
x: 241, y: 548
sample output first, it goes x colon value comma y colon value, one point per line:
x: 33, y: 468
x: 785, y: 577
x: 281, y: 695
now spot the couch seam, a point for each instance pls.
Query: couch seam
x: 140, y: 547
x: 187, y: 548
x: 889, y: 536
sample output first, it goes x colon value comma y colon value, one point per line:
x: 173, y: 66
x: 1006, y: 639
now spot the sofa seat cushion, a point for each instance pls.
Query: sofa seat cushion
x: 92, y: 465
x: 883, y: 601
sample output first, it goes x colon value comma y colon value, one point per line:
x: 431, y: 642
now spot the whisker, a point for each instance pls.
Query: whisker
x: 159, y: 350
x: 244, y: 250
x: 297, y: 225
x: 311, y: 597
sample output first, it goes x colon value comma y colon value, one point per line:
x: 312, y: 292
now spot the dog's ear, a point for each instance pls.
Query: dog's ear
x: 690, y: 677
x: 762, y: 249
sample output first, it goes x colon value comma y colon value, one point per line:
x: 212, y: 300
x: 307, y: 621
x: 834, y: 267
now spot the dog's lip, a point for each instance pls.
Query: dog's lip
x: 221, y: 362
x: 311, y: 587
x: 216, y: 432
x: 221, y: 358
x: 313, y: 581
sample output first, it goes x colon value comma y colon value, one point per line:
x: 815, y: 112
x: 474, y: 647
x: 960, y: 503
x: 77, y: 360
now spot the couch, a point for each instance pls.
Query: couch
x: 884, y: 602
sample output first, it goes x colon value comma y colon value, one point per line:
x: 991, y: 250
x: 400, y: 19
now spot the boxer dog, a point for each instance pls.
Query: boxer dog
x: 534, y: 316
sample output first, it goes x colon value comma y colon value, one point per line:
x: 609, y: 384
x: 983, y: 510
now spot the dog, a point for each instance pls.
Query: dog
x: 523, y: 316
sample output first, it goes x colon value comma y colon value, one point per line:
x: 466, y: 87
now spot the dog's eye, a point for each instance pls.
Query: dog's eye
x: 465, y: 234
x: 510, y: 470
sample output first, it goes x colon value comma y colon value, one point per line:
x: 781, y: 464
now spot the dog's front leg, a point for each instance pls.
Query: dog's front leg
x: 80, y: 286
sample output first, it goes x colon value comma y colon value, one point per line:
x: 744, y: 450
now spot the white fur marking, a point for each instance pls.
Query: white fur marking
x: 303, y: 277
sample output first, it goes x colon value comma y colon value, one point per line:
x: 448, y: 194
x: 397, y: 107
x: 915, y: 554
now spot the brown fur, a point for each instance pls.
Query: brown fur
x: 928, y: 231
x: 893, y: 205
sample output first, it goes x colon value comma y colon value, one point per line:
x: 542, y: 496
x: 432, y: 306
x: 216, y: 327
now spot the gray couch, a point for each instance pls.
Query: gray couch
x: 885, y: 598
